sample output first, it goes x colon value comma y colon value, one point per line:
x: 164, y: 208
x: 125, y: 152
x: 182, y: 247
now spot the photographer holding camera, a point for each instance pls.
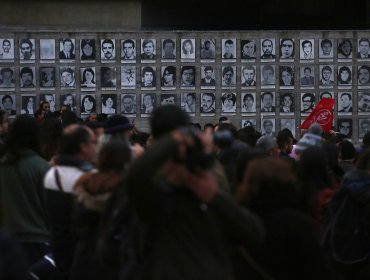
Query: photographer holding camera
x: 175, y: 188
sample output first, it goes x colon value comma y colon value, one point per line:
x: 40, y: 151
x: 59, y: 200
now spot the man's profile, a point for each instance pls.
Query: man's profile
x: 108, y: 50
x: 267, y: 49
x: 67, y: 48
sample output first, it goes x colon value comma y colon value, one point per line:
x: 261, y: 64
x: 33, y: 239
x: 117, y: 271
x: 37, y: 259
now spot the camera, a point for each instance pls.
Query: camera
x: 196, y: 159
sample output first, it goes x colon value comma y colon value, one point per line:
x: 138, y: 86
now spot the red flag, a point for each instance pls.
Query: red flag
x: 322, y: 114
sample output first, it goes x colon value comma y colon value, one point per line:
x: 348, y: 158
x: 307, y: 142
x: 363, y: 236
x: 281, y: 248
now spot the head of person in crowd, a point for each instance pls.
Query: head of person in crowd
x: 165, y: 119
x: 313, y: 137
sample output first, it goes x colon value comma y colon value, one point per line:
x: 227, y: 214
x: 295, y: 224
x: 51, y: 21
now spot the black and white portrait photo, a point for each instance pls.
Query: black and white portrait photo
x: 288, y: 124
x: 345, y: 127
x: 326, y: 75
x: 50, y: 98
x: 148, y: 103
x: 47, y: 77
x: 307, y: 77
x: 169, y: 49
x: 268, y: 127
x: 8, y: 104
x: 188, y: 101
x: 188, y: 49
x: 28, y: 104
x: 248, y: 49
x: 148, y: 50
x: 248, y: 122
x: 248, y: 102
x: 286, y: 105
x: 326, y: 49
x: 344, y: 102
x: 363, y: 127
x: 187, y: 76
x: 345, y: 49
x: 68, y: 101
x: 345, y: 75
x: 208, y: 103
x: 128, y: 76
x: 27, y: 78
x: 228, y: 102
x: 268, y: 75
x: 363, y: 48
x: 207, y: 77
x: 67, y: 49
x: 128, y: 51
x: 268, y: 102
x: 27, y: 50
x: 363, y: 102
x: 88, y: 50
x: 228, y: 50
x: 6, y: 50
x: 228, y: 76
x: 326, y: 94
x: 7, y: 78
x: 168, y: 77
x: 286, y: 74
x: 248, y: 76
x: 268, y: 49
x: 67, y: 77
x: 88, y: 104
x: 108, y: 50
x: 109, y: 104
x: 168, y: 99
x: 363, y: 75
x: 47, y: 50
x: 307, y: 102
x: 128, y: 104
x: 207, y: 49
x: 87, y: 78
x: 148, y: 77
x: 307, y: 47
x: 287, y: 50
x: 108, y: 77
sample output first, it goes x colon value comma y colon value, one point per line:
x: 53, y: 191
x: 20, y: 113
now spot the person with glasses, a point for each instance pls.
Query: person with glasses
x: 308, y: 102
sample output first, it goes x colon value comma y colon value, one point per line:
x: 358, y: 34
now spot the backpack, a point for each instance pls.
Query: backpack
x: 347, y: 236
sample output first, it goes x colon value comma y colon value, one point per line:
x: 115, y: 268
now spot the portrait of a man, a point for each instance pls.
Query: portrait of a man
x: 345, y: 127
x: 27, y: 77
x: 326, y: 49
x: 207, y: 105
x: 128, y: 103
x: 268, y: 127
x: 128, y: 51
x: 268, y: 102
x: 27, y: 50
x: 363, y: 127
x: 363, y: 48
x: 327, y: 77
x: 208, y: 77
x: 228, y: 48
x: 188, y: 101
x: 7, y: 49
x: 207, y: 49
x: 7, y: 79
x: 287, y: 48
x: 169, y: 49
x: 268, y: 49
x: 248, y: 76
x: 345, y: 102
x: 67, y: 49
x: 108, y: 52
x: 307, y: 49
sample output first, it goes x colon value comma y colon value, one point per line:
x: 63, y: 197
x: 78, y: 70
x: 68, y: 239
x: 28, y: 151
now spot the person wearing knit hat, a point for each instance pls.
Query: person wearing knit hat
x: 311, y: 138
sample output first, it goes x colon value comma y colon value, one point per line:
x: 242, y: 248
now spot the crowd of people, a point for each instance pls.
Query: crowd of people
x: 100, y: 199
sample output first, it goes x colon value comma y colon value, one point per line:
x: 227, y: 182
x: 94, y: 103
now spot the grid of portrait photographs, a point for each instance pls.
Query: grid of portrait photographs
x: 263, y: 79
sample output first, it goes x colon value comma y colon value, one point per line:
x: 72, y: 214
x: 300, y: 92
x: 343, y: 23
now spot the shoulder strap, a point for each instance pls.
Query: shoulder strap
x: 57, y: 179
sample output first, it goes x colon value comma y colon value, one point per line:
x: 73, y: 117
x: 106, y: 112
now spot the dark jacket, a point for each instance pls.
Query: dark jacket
x: 186, y: 238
